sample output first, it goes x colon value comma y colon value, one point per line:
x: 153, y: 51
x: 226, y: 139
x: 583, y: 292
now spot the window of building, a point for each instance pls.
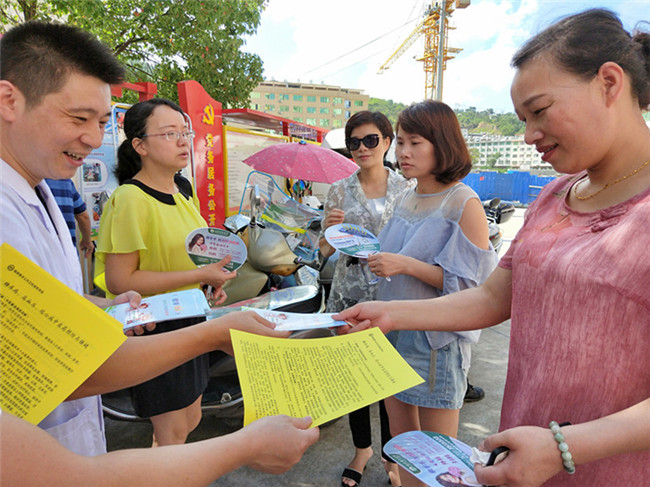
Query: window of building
x: 337, y: 111
x: 297, y: 109
x: 358, y: 103
x: 269, y: 108
x: 337, y: 100
x: 284, y: 108
x: 269, y: 96
x: 325, y: 110
x: 311, y: 121
x: 297, y: 97
x: 347, y: 114
x: 311, y: 109
x: 284, y: 97
x: 324, y: 122
x: 324, y: 99
x: 298, y: 119
x: 255, y: 94
x: 337, y: 124
x: 347, y: 104
x: 311, y: 98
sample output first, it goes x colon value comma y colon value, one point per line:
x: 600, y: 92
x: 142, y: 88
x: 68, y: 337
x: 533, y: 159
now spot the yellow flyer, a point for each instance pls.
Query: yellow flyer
x: 324, y: 378
x: 51, y: 338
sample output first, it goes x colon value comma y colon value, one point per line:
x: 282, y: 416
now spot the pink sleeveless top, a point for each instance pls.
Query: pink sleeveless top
x: 580, y: 336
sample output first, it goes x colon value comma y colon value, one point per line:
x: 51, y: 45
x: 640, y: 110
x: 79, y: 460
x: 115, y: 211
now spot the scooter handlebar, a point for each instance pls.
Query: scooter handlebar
x: 313, y: 263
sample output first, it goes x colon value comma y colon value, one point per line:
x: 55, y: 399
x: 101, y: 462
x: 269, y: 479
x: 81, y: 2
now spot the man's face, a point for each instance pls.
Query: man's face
x: 51, y: 139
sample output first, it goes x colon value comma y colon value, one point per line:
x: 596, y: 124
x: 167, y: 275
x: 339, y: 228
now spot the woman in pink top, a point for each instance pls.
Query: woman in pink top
x: 576, y: 280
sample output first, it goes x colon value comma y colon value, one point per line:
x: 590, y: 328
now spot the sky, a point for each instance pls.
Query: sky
x: 344, y: 42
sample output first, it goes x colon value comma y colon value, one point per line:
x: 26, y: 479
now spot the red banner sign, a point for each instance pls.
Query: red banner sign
x: 205, y: 114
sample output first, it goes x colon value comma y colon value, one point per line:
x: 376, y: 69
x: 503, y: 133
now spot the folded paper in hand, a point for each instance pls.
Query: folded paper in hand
x: 163, y: 307
x: 285, y: 321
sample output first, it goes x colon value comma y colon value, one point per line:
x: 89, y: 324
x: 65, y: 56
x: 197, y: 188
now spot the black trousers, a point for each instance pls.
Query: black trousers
x: 362, y: 432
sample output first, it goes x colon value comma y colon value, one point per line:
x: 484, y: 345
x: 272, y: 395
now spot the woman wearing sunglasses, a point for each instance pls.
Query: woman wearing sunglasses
x: 435, y: 243
x: 366, y: 199
x: 141, y: 246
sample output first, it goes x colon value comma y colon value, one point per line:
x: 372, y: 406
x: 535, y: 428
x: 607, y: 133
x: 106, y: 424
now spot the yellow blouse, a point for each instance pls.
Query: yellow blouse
x: 139, y: 218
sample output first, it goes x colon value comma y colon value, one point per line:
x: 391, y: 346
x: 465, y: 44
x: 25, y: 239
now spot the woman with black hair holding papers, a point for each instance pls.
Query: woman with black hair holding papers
x: 141, y: 246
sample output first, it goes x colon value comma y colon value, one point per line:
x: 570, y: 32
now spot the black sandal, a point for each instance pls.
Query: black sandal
x: 353, y: 475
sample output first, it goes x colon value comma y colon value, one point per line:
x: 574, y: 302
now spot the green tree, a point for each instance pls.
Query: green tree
x: 388, y: 107
x: 492, y: 160
x: 475, y: 154
x: 166, y: 41
x: 509, y: 124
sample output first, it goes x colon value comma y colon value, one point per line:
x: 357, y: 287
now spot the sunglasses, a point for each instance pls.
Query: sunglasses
x: 370, y: 141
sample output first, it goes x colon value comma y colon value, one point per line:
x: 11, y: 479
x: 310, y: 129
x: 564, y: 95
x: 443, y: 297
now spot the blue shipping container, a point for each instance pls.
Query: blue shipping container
x: 518, y: 187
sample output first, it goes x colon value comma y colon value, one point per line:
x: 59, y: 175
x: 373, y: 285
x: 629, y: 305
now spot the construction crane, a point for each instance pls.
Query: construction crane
x: 435, y: 29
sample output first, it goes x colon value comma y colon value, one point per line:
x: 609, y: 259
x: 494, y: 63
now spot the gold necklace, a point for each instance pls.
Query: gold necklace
x: 611, y: 183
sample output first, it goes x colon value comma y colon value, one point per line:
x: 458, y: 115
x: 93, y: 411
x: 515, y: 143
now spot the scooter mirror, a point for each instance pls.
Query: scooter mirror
x: 494, y: 203
x: 236, y: 223
x: 255, y: 203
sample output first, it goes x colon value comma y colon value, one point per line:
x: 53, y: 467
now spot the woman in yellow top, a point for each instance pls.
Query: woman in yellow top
x: 141, y: 246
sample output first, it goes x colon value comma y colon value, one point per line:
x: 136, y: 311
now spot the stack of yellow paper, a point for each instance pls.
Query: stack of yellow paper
x: 324, y: 378
x: 51, y: 338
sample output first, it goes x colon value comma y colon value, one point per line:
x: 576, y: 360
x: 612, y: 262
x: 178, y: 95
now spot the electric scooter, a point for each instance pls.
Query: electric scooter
x: 281, y: 273
x: 490, y: 207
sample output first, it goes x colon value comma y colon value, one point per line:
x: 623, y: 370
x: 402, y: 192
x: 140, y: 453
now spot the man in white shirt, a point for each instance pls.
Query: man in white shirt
x: 54, y: 103
x: 50, y: 122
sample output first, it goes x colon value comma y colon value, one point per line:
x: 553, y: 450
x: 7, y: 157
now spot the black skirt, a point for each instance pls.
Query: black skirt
x: 177, y: 388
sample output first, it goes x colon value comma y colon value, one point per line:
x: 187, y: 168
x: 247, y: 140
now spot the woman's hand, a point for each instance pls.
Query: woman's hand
x: 216, y: 296
x: 133, y: 298
x: 215, y: 275
x: 365, y: 315
x: 533, y: 459
x: 386, y: 264
x: 334, y: 217
x: 138, y: 330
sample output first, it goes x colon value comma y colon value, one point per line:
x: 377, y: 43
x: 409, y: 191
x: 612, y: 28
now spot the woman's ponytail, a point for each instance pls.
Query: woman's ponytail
x: 128, y: 161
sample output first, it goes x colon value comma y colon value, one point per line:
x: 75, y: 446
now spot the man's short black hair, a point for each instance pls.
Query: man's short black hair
x: 38, y: 57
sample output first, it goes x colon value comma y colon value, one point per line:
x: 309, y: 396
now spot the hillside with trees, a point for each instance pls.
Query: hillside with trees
x: 488, y: 122
x: 484, y: 121
x: 388, y: 107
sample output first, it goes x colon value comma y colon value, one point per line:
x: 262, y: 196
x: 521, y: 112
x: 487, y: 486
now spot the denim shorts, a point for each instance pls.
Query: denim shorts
x: 445, y: 381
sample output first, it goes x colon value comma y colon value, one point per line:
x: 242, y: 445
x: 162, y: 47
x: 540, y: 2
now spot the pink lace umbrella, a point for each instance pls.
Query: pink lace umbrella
x: 299, y: 160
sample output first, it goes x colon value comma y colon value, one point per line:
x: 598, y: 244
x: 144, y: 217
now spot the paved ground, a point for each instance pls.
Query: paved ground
x: 323, y: 463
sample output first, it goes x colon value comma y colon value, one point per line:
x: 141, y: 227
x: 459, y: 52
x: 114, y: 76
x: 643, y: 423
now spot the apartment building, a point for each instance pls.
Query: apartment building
x: 324, y: 106
x: 512, y: 152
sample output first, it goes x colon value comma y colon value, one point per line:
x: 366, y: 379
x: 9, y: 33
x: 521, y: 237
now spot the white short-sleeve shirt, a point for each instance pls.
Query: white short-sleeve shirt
x: 26, y: 226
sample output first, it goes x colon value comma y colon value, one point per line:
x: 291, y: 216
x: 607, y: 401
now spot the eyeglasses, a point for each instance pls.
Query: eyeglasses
x: 172, y: 136
x: 370, y: 141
